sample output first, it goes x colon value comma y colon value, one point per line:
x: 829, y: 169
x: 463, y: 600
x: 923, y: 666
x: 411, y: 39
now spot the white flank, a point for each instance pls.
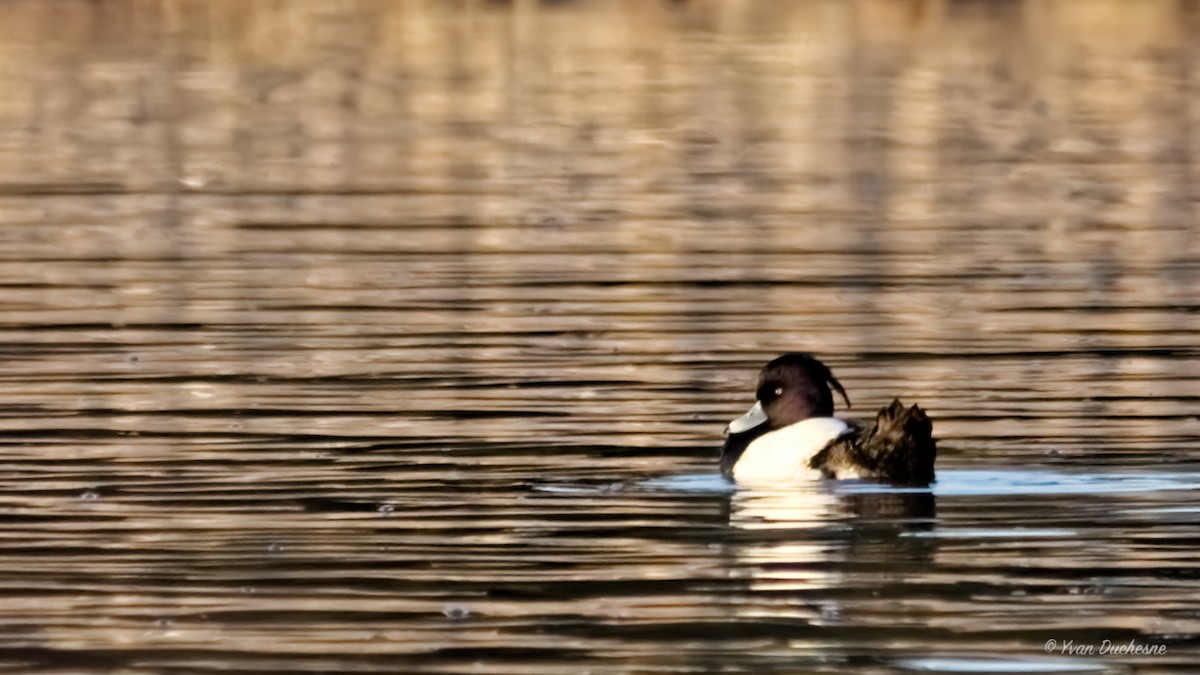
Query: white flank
x: 782, y: 456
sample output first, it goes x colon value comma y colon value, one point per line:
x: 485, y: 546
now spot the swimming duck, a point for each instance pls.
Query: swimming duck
x: 791, y: 434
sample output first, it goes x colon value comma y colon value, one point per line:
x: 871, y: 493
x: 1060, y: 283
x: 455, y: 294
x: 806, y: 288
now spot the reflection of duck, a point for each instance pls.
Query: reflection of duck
x: 793, y: 540
x: 767, y: 508
x: 791, y: 434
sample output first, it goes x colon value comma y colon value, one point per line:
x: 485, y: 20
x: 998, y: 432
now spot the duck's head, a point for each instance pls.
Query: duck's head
x: 791, y: 388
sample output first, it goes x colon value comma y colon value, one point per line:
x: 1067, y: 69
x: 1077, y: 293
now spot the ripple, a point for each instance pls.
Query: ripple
x: 1002, y: 666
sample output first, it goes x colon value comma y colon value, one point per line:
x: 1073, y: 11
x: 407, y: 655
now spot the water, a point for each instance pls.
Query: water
x: 399, y: 337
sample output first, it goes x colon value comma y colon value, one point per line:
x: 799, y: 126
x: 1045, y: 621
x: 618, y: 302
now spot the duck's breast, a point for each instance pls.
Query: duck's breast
x: 783, y: 455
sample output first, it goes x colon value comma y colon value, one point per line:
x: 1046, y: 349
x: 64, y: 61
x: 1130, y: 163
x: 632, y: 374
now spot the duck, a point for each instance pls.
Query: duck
x: 790, y: 433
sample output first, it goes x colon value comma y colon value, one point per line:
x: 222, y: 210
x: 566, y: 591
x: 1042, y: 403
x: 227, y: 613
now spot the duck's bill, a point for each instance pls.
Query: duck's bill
x: 753, y: 419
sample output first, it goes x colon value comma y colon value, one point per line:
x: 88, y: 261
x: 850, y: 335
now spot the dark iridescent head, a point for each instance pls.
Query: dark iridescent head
x: 791, y: 388
x: 795, y: 387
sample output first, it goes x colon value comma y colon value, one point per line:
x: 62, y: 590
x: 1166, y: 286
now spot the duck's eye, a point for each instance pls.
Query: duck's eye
x: 769, y: 393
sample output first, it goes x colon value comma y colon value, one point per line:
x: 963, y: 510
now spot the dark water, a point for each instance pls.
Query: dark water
x: 399, y: 336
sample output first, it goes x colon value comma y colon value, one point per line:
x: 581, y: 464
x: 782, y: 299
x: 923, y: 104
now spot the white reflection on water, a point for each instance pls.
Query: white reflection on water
x: 811, y: 497
x: 936, y: 664
x: 959, y: 482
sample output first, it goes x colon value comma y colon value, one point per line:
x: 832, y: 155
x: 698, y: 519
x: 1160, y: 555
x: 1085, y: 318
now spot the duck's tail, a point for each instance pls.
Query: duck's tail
x: 901, y: 444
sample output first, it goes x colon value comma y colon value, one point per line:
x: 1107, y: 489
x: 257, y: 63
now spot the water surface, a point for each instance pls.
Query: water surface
x: 399, y: 336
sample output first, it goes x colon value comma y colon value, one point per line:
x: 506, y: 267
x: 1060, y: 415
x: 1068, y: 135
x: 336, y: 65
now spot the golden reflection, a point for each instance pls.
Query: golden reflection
x: 247, y: 244
x: 858, y: 164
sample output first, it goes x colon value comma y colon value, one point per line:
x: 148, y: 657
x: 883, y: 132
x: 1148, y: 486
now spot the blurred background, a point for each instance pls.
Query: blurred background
x: 661, y: 193
x: 427, y: 254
